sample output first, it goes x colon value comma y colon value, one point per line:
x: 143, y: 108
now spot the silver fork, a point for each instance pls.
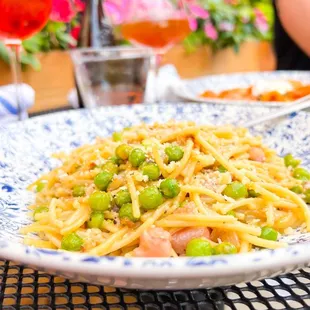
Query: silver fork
x: 297, y: 105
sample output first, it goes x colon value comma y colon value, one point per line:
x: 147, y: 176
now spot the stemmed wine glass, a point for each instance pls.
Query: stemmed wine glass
x: 156, y: 24
x: 18, y: 21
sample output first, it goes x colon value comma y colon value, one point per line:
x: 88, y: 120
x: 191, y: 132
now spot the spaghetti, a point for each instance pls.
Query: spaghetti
x: 168, y: 190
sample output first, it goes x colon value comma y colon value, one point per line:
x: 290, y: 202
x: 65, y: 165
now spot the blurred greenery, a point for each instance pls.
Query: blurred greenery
x: 240, y: 15
x: 53, y: 36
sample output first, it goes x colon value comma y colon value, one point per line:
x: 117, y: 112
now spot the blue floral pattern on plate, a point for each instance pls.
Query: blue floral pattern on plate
x: 25, y: 154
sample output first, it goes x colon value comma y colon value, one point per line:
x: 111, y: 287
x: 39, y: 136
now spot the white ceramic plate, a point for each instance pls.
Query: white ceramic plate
x: 193, y: 88
x: 25, y: 151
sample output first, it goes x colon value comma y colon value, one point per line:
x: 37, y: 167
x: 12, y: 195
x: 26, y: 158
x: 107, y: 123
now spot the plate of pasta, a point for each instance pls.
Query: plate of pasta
x: 257, y: 88
x: 163, y: 196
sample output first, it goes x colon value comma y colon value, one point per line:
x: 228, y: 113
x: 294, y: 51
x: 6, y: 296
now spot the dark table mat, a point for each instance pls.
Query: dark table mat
x: 65, y: 108
x: 24, y: 288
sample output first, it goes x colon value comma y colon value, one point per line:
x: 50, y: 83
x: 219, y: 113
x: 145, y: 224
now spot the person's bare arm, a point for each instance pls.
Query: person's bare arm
x: 295, y: 17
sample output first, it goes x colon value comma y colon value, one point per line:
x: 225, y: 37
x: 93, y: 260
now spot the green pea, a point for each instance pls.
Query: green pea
x: 307, y: 196
x: 96, y: 220
x: 115, y: 160
x: 151, y: 170
x: 126, y: 212
x: 122, y: 197
x: 235, y: 190
x: 39, y: 210
x: 117, y: 136
x: 290, y: 161
x: 297, y: 189
x: 225, y: 248
x: 40, y: 186
x: 199, y: 247
x: 301, y: 174
x: 174, y: 153
x: 78, y: 191
x: 136, y: 157
x: 231, y: 213
x: 103, y: 179
x: 253, y: 194
x: 170, y: 188
x: 122, y: 151
x: 111, y: 167
x: 269, y: 233
x: 222, y: 169
x: 150, y: 198
x: 99, y: 201
x: 72, y: 242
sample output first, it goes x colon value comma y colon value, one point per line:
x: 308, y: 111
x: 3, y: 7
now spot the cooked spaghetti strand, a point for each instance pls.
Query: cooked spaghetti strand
x: 153, y: 186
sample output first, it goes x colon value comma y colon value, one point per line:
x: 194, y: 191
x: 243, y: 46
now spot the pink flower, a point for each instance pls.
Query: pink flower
x: 65, y: 10
x: 210, y: 31
x: 193, y: 24
x: 127, y: 10
x: 186, y: 2
x: 226, y: 27
x: 260, y: 22
x: 75, y: 32
x: 79, y: 5
x: 198, y: 11
x: 116, y: 10
x: 146, y: 9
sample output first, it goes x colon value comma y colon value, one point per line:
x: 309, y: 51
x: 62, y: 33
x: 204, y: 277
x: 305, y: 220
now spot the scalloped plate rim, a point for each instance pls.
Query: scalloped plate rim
x: 154, y: 266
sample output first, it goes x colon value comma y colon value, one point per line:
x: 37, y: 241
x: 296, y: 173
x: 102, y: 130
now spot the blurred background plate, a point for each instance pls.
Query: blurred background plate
x: 192, y: 89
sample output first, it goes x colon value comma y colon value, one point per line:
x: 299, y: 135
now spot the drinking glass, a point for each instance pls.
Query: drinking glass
x: 111, y: 76
x: 19, y: 20
x: 156, y: 24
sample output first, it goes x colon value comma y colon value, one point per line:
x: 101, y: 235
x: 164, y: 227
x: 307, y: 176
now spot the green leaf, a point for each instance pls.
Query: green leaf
x: 53, y: 27
x: 29, y: 59
x: 236, y: 48
x: 124, y: 43
x: 4, y: 53
x: 74, y: 23
x: 26, y: 58
x: 47, y: 42
x: 246, y: 12
x: 34, y: 44
x: 65, y: 39
x: 194, y: 40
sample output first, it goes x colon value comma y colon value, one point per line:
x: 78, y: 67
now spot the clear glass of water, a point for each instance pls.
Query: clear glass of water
x: 112, y: 76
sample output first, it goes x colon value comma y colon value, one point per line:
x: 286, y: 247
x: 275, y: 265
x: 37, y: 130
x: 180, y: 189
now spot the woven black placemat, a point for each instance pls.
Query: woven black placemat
x: 65, y: 108
x: 25, y: 288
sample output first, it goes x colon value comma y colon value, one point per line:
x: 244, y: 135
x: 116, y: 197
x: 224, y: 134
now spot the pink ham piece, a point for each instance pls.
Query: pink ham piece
x: 154, y: 242
x: 182, y: 237
x: 219, y: 235
x: 188, y: 208
x: 257, y: 154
